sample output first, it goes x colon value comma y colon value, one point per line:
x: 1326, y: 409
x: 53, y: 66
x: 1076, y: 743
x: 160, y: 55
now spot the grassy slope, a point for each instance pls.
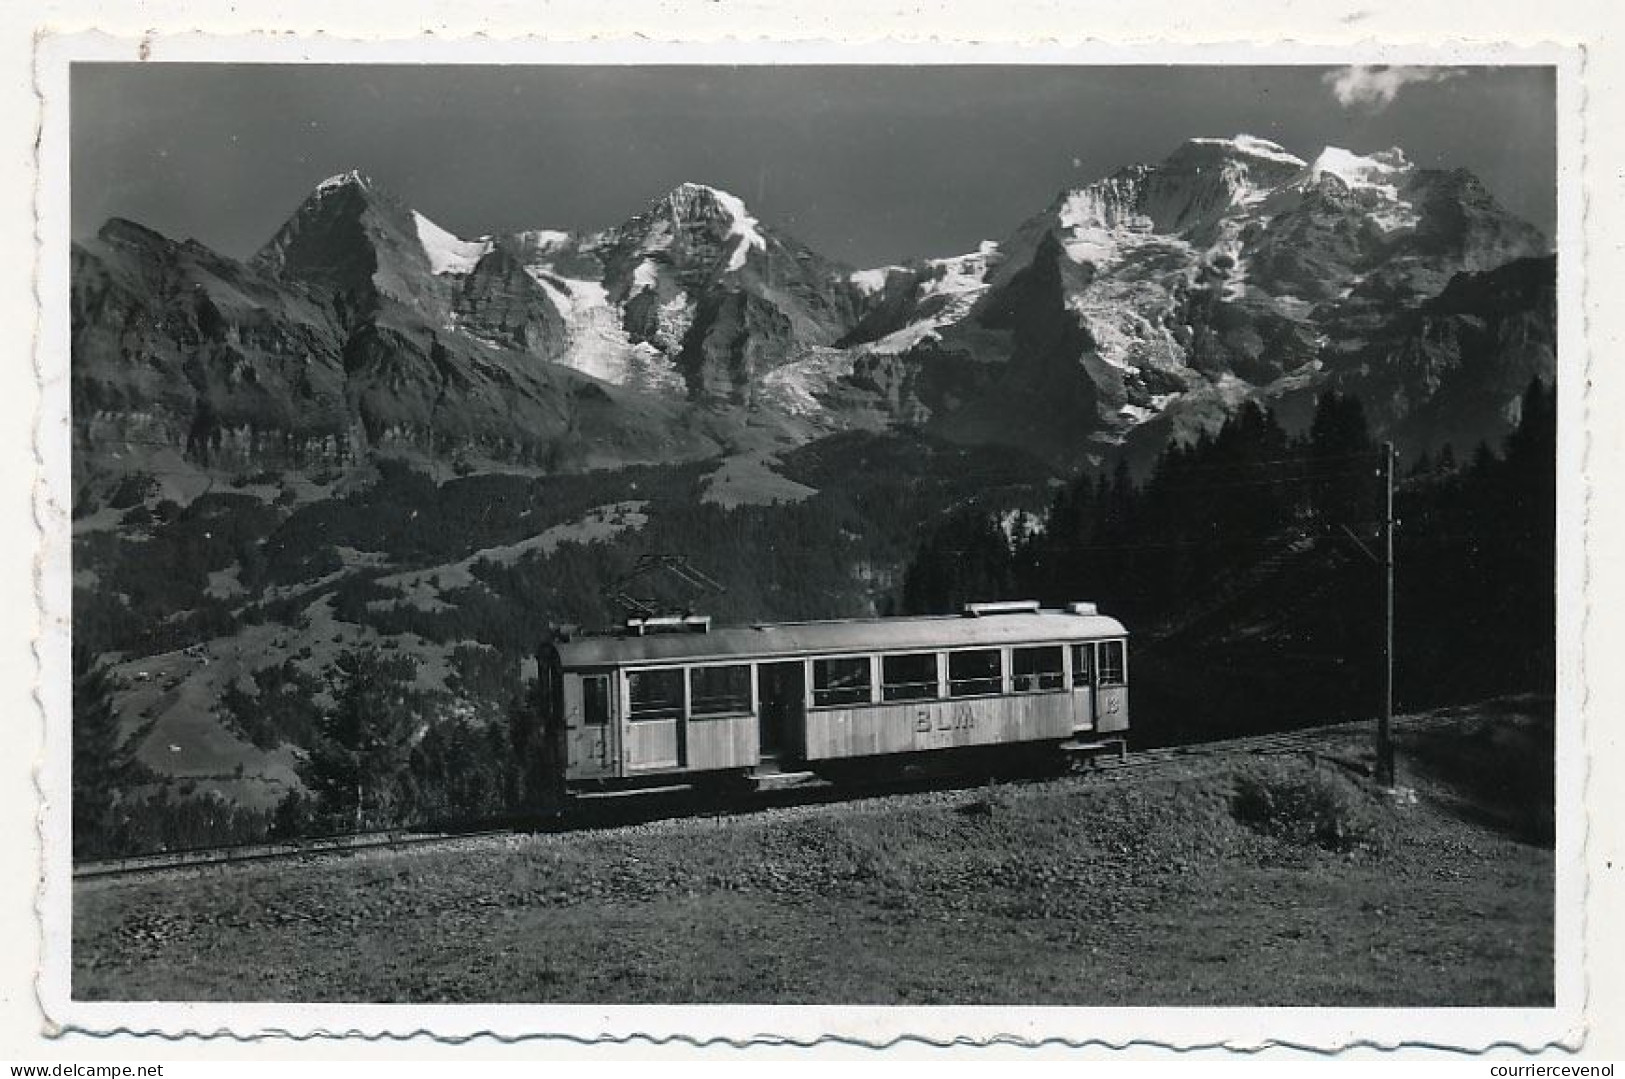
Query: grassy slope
x: 1123, y: 889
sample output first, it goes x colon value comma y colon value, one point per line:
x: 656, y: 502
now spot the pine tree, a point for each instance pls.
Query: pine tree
x: 525, y: 743
x: 1344, y: 490
x: 967, y: 558
x: 363, y: 744
x: 103, y: 758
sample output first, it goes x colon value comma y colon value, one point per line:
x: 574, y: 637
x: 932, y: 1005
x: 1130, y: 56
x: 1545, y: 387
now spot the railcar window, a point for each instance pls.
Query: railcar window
x: 1111, y: 663
x: 1083, y: 666
x: 908, y: 677
x: 841, y: 681
x: 719, y: 691
x: 595, y: 700
x: 976, y: 672
x: 1035, y: 670
x: 655, y: 695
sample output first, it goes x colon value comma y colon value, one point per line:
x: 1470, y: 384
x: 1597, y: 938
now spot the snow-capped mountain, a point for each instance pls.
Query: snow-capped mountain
x: 352, y: 237
x: 909, y: 304
x: 721, y: 296
x: 337, y: 340
x: 1233, y: 269
x: 1156, y: 298
x: 693, y: 295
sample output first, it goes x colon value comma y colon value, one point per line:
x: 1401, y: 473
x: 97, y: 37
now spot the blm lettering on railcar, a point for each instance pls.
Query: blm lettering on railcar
x: 963, y: 718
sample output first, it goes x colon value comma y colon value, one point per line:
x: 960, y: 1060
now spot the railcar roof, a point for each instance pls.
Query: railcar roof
x: 834, y: 638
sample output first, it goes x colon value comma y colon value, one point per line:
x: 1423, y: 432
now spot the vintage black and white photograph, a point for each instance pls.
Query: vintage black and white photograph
x: 814, y: 534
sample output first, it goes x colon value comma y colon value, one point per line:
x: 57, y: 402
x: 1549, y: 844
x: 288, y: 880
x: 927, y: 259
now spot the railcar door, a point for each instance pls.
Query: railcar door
x: 784, y: 697
x: 591, y: 728
x: 656, y: 706
x: 1111, y: 686
x: 1083, y: 686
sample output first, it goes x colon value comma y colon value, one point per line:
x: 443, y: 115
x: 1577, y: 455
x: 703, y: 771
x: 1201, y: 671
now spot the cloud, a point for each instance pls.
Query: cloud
x: 1375, y: 87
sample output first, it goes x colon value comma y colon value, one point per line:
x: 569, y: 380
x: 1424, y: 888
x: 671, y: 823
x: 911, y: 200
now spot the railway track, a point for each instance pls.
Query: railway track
x: 1260, y: 745
x: 259, y: 852
x: 1304, y: 740
x: 642, y: 808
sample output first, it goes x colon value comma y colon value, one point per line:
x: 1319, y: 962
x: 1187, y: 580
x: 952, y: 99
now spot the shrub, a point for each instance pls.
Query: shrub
x: 132, y: 490
x: 157, y: 820
x: 281, y: 709
x: 1309, y: 809
x: 991, y: 799
x: 294, y: 816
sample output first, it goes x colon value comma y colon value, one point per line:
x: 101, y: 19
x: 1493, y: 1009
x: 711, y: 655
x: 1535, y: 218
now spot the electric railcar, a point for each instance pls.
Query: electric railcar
x: 674, y: 700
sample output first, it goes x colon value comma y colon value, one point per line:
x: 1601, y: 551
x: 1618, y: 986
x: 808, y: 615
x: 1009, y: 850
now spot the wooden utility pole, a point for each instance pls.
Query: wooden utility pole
x: 1385, y: 722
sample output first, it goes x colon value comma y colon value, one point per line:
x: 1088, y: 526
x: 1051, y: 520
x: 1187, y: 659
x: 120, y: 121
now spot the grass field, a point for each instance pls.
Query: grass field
x: 1284, y: 881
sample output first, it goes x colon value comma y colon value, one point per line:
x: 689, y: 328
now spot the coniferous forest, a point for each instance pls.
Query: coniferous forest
x: 1246, y: 567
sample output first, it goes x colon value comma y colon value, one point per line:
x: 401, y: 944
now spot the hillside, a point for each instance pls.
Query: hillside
x: 1282, y: 881
x: 208, y: 611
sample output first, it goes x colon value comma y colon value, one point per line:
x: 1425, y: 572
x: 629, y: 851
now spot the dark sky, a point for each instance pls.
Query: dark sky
x: 865, y: 164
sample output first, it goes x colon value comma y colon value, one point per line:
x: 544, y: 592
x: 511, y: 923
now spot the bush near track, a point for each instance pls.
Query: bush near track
x: 1285, y: 880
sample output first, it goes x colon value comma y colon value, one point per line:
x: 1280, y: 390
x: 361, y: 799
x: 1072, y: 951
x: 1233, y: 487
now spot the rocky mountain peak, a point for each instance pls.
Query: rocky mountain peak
x: 323, y: 238
x: 695, y: 199
x: 333, y: 184
x: 346, y: 196
x: 1207, y: 178
x: 1200, y: 194
x: 695, y: 227
x: 1241, y: 146
x: 358, y: 240
x: 121, y: 232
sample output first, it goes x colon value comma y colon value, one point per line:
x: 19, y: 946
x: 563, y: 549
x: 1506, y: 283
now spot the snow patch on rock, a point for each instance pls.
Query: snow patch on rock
x: 544, y: 240
x: 795, y: 386
x: 1129, y: 313
x: 645, y: 276
x: 872, y: 281
x: 672, y: 322
x: 1098, y: 221
x: 1377, y: 178
x: 951, y: 289
x: 344, y: 179
x: 1376, y: 171
x: 962, y: 276
x: 1253, y: 146
x: 742, y: 225
x: 447, y: 254
x: 598, y: 342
